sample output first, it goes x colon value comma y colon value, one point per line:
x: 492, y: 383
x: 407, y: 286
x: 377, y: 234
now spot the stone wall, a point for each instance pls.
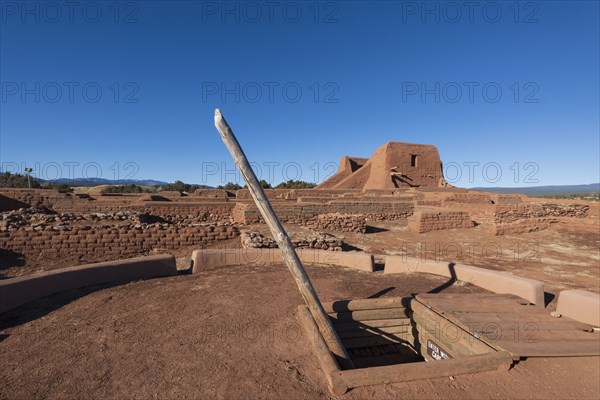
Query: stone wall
x: 190, y: 212
x: 301, y: 213
x: 565, y: 210
x: 469, y: 198
x: 522, y: 226
x: 99, y: 237
x: 531, y: 217
x: 318, y: 240
x: 339, y: 222
x: 426, y: 221
x: 510, y: 213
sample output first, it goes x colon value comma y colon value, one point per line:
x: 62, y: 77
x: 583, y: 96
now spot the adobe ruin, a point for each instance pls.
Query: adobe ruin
x: 393, y: 165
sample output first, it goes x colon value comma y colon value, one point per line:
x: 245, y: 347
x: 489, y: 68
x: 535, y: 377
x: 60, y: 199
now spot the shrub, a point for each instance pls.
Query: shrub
x: 61, y: 187
x: 179, y: 186
x: 230, y: 186
x: 292, y: 184
x: 8, y: 180
x: 131, y: 188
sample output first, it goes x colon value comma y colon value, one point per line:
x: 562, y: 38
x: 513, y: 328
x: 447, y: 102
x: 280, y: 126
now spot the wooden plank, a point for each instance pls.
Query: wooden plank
x: 283, y: 241
x: 366, y: 315
x: 329, y: 366
x: 499, y: 308
x: 496, y: 297
x: 374, y: 331
x: 533, y: 333
x: 366, y: 304
x: 446, y: 331
x: 413, y: 371
x: 553, y: 349
x: 534, y: 336
x: 518, y: 321
x: 341, y: 326
x: 455, y: 348
x: 424, y: 339
x: 378, y: 340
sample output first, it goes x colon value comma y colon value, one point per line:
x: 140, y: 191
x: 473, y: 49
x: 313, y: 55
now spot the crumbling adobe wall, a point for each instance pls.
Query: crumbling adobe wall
x: 75, y: 238
x: 32, y: 197
x: 214, y: 193
x: 430, y: 203
x: 9, y: 204
x: 565, y: 210
x: 244, y: 194
x: 426, y: 221
x: 506, y: 198
x: 317, y: 240
x: 531, y: 217
x: 190, y: 212
x: 511, y: 213
x: 468, y: 198
x: 522, y: 226
x: 339, y: 222
x: 301, y: 213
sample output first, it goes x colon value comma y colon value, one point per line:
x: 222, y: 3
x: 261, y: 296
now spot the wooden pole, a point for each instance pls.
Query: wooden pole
x: 285, y: 245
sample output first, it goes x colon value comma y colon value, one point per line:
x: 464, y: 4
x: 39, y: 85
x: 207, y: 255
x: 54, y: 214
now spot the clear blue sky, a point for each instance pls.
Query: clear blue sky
x: 99, y: 90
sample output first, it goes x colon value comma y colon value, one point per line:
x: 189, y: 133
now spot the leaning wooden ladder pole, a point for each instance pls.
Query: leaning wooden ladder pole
x: 289, y: 254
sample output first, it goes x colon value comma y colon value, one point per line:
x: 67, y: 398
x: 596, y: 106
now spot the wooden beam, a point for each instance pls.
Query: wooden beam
x: 445, y: 331
x: 328, y: 363
x: 285, y: 245
x: 366, y: 304
x: 368, y: 332
x: 366, y: 315
x: 340, y: 326
x: 413, y: 371
x: 376, y: 340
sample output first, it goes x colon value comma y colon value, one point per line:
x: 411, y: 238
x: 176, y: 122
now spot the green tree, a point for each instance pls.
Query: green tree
x: 179, y: 186
x: 230, y: 186
x: 292, y: 184
x: 8, y: 180
x: 61, y: 187
x: 131, y: 188
x: 264, y: 184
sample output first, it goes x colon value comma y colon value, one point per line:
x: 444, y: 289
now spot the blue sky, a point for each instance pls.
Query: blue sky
x: 508, y: 91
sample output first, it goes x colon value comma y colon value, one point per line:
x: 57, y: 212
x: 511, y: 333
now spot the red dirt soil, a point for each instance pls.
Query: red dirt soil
x: 228, y: 333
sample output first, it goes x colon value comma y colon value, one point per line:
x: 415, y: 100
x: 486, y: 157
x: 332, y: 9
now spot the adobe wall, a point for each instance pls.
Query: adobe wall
x: 21, y: 290
x: 532, y: 217
x: 522, y: 226
x: 32, y: 197
x: 469, y: 198
x: 495, y: 281
x: 339, y: 222
x: 209, y: 258
x: 192, y: 212
x: 99, y: 243
x: 301, y: 213
x: 427, y: 221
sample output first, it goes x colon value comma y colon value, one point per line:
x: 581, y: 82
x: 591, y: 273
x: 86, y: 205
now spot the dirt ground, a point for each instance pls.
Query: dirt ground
x: 232, y: 332
x: 228, y: 333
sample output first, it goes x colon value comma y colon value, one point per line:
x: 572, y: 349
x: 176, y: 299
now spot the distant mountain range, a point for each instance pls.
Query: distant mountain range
x: 91, y: 182
x: 544, y: 190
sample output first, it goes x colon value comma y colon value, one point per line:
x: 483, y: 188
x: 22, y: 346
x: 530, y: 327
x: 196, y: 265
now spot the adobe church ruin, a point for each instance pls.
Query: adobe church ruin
x: 393, y: 165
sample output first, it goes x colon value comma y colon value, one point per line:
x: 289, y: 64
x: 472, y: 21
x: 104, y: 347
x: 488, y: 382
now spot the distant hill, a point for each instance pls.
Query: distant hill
x: 544, y: 190
x: 93, y: 182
